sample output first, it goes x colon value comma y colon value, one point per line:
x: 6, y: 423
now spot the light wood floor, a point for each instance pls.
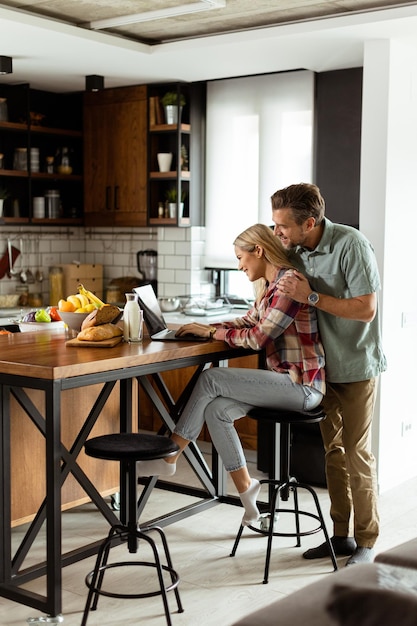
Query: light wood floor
x: 215, y: 589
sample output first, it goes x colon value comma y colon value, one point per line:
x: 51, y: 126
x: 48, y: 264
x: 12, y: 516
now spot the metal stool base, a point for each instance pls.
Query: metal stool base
x: 94, y: 579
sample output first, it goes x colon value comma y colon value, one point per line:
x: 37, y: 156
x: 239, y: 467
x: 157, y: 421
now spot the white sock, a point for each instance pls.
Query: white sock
x: 248, y: 499
x: 155, y: 467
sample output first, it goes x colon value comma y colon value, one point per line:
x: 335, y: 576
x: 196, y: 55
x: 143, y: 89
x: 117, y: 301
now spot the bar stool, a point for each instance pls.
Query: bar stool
x: 282, y: 486
x: 127, y: 448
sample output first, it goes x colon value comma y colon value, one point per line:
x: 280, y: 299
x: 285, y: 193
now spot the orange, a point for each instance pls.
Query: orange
x: 64, y: 305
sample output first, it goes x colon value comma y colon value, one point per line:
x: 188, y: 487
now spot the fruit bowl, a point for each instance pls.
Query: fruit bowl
x: 73, y: 320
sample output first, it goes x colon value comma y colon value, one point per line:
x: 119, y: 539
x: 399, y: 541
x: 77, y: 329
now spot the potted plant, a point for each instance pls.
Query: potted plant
x: 172, y: 103
x: 171, y: 196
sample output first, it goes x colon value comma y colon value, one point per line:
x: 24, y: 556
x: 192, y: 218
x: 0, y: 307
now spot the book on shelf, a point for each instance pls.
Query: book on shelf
x: 156, y: 113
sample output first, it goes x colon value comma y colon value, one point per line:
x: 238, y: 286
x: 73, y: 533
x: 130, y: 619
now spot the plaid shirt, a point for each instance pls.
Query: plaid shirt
x: 286, y: 330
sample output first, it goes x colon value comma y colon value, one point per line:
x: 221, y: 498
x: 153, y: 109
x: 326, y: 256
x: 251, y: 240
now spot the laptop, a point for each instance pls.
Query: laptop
x: 154, y: 319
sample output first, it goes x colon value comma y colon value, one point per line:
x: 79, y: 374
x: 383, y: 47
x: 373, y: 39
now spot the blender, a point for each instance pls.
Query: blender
x: 147, y: 261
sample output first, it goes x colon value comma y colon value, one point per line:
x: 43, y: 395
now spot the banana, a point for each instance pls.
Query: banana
x: 83, y: 299
x: 91, y: 296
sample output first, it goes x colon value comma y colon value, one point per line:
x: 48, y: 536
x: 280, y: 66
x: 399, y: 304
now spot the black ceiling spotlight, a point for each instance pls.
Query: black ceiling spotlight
x: 6, y: 65
x: 94, y: 82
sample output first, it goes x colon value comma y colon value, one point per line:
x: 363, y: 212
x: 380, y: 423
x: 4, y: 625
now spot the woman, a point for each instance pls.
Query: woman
x: 287, y: 331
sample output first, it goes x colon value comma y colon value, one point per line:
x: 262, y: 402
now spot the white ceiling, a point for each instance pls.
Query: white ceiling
x: 56, y: 56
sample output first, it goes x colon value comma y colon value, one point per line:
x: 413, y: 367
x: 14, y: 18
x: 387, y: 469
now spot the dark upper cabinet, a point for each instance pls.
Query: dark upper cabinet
x: 37, y: 127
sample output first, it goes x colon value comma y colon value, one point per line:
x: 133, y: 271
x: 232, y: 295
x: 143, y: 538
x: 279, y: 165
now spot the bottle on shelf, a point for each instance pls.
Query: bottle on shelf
x: 56, y: 285
x: 63, y: 163
x: 49, y: 167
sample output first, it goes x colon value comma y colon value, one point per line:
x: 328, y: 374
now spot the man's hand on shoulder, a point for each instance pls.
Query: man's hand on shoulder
x: 294, y: 285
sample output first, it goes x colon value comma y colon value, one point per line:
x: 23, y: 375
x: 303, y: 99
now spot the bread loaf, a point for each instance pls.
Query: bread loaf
x: 107, y: 314
x: 98, y: 333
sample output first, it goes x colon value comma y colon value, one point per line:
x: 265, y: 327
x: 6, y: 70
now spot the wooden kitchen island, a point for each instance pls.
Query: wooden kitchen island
x: 53, y: 397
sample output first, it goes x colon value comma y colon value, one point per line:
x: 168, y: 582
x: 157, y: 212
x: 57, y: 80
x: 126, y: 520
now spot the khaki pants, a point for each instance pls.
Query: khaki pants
x: 350, y: 464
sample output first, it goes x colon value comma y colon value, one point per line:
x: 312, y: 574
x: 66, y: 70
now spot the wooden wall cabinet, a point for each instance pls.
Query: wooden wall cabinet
x: 115, y: 157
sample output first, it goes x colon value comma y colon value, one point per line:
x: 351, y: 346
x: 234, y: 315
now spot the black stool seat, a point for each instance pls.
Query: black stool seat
x: 290, y: 417
x: 128, y: 448
x: 281, y: 483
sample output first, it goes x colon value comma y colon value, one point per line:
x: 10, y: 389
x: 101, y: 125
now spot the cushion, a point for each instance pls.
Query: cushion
x: 393, y: 600
x: 404, y: 555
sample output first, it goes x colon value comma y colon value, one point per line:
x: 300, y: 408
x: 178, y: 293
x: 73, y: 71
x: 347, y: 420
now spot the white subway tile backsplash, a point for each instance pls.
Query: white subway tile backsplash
x: 176, y: 262
x: 180, y: 254
x: 166, y: 247
x: 166, y: 276
x: 183, y: 276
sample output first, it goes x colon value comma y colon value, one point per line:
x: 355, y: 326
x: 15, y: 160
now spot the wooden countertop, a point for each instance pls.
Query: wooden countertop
x: 45, y: 355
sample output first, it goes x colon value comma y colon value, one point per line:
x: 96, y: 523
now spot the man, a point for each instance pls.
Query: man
x: 339, y: 276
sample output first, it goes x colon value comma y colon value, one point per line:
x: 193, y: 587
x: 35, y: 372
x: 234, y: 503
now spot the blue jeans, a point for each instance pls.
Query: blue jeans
x: 223, y: 395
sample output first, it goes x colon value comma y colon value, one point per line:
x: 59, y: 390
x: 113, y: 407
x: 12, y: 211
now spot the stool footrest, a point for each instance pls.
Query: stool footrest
x: 94, y: 579
x: 147, y: 594
x: 292, y: 485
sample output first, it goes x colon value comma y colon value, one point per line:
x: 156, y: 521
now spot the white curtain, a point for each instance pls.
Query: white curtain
x: 259, y: 138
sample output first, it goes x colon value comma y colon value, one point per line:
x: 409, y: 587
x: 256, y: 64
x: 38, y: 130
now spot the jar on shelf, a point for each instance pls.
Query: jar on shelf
x: 49, y: 167
x: 20, y: 160
x: 35, y: 300
x: 113, y: 294
x: 23, y: 291
x: 52, y: 204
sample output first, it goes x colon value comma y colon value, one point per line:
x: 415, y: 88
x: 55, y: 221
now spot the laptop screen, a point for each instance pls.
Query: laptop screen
x: 152, y: 313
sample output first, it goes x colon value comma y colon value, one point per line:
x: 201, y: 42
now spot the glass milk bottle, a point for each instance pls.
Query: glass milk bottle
x: 132, y: 319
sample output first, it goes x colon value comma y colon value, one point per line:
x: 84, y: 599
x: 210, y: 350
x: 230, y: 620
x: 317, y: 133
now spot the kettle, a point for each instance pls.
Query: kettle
x: 147, y: 263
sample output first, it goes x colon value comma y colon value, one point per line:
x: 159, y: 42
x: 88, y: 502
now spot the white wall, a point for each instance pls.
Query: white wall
x: 387, y: 218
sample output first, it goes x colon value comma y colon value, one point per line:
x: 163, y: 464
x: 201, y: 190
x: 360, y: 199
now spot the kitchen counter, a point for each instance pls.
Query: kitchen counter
x: 36, y: 372
x: 8, y: 316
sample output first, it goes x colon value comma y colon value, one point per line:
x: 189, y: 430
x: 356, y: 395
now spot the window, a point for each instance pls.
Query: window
x: 259, y: 138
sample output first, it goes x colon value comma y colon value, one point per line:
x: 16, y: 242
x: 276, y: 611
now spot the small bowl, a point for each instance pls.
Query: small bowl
x: 73, y: 320
x: 169, y: 304
x: 49, y: 327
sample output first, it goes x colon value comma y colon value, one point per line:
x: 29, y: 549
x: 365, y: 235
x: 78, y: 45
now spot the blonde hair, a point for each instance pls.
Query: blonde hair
x: 274, y: 253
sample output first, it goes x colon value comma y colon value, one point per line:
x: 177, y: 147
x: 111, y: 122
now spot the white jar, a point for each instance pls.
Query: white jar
x: 132, y: 319
x: 39, y: 207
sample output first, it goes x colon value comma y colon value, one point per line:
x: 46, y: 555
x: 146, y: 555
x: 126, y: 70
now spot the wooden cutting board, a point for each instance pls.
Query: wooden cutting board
x: 105, y: 343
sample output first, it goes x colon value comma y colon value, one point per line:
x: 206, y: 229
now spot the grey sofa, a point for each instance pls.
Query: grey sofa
x: 382, y: 593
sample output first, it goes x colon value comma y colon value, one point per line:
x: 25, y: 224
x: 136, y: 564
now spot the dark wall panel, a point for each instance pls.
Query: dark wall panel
x: 338, y: 142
